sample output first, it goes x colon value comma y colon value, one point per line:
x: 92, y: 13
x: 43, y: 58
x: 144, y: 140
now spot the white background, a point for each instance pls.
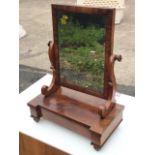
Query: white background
x: 144, y: 135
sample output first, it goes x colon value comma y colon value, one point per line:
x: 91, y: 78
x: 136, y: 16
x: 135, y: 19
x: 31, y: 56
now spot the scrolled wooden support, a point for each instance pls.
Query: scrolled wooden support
x: 112, y: 79
x: 112, y: 87
x: 47, y: 90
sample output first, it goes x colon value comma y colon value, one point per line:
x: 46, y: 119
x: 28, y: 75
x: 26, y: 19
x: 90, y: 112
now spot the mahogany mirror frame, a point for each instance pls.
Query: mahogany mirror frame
x: 109, y: 16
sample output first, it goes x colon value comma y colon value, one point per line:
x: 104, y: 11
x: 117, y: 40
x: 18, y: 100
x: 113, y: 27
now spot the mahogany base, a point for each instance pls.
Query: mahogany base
x: 74, y: 110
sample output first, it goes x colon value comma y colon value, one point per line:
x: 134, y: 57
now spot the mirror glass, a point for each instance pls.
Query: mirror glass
x: 81, y: 43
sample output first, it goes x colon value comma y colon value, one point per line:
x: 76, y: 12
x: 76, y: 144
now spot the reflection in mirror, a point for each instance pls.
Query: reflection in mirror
x: 81, y: 40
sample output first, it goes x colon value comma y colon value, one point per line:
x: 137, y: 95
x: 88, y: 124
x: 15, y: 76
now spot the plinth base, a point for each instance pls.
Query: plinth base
x: 74, y: 112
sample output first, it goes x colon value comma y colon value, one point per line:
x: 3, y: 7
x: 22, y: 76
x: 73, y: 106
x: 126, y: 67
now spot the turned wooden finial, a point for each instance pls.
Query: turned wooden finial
x: 117, y: 57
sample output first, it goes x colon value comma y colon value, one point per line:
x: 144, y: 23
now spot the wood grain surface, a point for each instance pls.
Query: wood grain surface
x: 31, y: 146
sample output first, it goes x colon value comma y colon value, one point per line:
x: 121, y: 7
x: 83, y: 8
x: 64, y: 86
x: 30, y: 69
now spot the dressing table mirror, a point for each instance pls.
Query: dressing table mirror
x: 81, y: 96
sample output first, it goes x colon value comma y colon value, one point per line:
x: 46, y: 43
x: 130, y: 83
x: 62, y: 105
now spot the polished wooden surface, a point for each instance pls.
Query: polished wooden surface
x: 86, y: 112
x: 74, y: 113
x: 31, y: 146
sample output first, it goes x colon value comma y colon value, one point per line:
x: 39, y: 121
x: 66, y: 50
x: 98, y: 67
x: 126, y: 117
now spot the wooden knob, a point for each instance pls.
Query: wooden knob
x: 118, y: 57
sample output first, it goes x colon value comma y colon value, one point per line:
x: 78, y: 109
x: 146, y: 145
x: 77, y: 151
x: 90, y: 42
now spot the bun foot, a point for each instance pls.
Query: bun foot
x: 96, y: 147
x: 36, y: 119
